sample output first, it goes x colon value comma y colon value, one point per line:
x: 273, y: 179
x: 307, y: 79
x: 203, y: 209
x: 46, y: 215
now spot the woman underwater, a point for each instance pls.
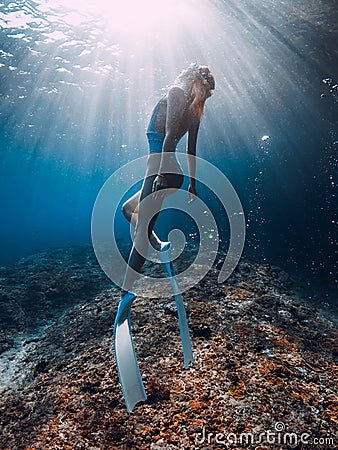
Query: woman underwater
x: 178, y: 112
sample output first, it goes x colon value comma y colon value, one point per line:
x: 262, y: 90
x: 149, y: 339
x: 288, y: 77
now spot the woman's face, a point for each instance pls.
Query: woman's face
x: 210, y: 84
x: 209, y: 79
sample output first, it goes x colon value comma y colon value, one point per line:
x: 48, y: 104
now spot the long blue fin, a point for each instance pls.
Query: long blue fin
x: 182, y: 317
x: 125, y: 357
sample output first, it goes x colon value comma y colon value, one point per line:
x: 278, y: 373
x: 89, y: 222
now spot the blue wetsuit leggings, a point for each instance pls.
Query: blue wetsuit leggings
x: 148, y: 211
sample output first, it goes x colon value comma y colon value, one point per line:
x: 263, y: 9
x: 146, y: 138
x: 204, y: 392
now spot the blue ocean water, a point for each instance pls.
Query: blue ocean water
x: 77, y: 86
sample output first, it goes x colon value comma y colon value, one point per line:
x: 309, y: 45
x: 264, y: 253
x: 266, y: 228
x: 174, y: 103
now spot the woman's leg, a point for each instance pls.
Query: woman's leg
x: 144, y: 213
x: 147, y: 214
x: 130, y: 212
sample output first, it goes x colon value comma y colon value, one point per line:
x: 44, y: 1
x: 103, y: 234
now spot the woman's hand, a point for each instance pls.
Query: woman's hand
x: 159, y: 184
x: 192, y: 193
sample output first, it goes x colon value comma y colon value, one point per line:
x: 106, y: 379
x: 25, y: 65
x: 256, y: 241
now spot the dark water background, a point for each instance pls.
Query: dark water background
x: 76, y: 92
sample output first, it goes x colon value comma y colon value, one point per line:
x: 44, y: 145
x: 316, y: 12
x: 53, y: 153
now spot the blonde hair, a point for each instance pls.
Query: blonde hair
x: 197, y: 81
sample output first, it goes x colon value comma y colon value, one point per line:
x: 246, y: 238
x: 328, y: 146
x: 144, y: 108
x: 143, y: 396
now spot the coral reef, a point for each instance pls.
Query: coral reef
x: 43, y: 285
x: 264, y: 377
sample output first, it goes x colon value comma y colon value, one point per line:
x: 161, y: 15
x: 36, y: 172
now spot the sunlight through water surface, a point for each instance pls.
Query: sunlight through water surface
x: 79, y: 80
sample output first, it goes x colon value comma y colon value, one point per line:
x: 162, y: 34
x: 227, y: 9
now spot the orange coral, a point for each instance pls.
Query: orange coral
x: 305, y: 392
x: 242, y: 329
x: 237, y: 389
x: 331, y: 410
x: 237, y: 294
x: 197, y: 405
x: 316, y: 362
x: 272, y: 372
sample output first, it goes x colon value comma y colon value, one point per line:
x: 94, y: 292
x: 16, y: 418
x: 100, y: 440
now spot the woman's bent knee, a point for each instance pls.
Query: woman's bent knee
x: 126, y: 210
